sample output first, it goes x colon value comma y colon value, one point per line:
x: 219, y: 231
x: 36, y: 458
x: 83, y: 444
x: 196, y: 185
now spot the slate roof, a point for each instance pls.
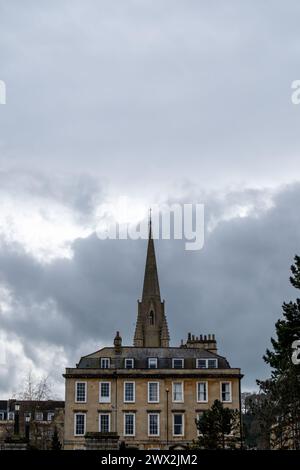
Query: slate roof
x: 141, y: 355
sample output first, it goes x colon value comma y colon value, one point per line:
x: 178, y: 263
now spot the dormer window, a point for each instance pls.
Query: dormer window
x: 105, y: 362
x: 212, y: 363
x: 152, y: 362
x: 201, y: 364
x: 129, y: 363
x: 207, y: 363
x: 177, y: 363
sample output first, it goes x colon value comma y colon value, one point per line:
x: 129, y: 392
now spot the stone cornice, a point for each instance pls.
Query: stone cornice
x: 151, y: 374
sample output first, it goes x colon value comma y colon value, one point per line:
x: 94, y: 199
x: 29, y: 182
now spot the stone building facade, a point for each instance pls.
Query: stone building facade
x: 32, y: 420
x: 148, y: 394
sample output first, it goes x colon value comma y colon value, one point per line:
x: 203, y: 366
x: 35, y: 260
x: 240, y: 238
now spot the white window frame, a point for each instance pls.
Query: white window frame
x: 158, y: 392
x: 11, y: 416
x: 39, y: 416
x: 131, y: 359
x: 197, y: 418
x: 206, y: 362
x: 85, y: 391
x: 104, y: 399
x: 124, y: 392
x: 182, y: 389
x: 230, y: 391
x: 75, y: 422
x: 109, y: 420
x: 152, y: 359
x: 124, y: 424
x: 178, y: 359
x: 197, y: 363
x: 102, y: 361
x: 50, y: 413
x: 173, y: 427
x: 212, y: 359
x: 158, y: 424
x: 2, y: 416
x: 197, y: 391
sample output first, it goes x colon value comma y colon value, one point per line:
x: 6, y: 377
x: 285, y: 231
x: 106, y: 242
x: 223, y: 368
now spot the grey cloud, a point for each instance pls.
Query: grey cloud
x: 79, y: 192
x: 234, y: 287
x: 152, y: 92
x: 139, y: 97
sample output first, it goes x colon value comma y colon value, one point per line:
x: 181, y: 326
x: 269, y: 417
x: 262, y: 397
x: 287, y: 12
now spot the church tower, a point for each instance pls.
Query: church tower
x: 151, y: 326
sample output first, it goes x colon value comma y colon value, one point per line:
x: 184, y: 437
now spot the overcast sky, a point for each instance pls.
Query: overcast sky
x: 147, y: 102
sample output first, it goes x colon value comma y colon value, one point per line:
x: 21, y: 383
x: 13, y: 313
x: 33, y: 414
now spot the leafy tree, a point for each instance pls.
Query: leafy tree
x: 218, y: 428
x: 281, y: 392
x: 287, y: 331
x: 259, y: 419
x: 255, y: 417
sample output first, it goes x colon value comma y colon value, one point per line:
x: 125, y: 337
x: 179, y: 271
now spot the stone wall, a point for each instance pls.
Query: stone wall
x: 190, y: 407
x: 101, y: 441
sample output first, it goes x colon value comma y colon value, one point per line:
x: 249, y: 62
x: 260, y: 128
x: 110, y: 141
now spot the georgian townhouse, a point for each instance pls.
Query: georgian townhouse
x: 149, y: 394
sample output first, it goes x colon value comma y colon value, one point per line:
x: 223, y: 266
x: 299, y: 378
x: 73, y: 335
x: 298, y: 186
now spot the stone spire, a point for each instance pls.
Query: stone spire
x: 151, y: 326
x: 151, y: 284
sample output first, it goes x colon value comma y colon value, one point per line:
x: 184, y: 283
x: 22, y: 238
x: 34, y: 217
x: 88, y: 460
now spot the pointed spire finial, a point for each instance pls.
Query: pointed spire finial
x: 150, y: 223
x: 151, y: 284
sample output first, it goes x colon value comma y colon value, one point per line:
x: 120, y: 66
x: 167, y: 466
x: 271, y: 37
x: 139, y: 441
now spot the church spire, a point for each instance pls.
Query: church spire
x: 151, y: 284
x: 151, y: 326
